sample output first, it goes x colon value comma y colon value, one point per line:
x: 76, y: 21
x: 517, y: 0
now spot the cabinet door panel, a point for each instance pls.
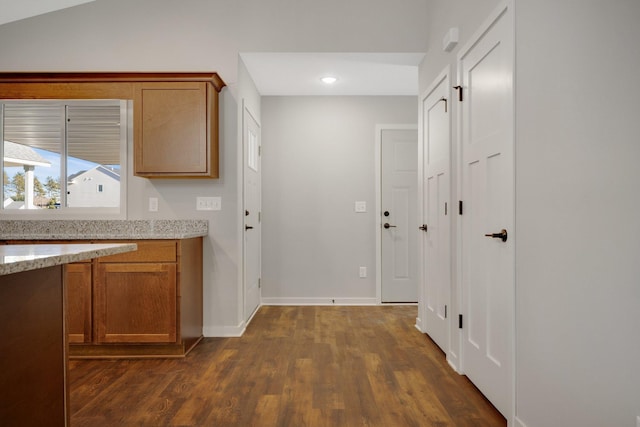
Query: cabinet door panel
x: 77, y: 279
x: 136, y: 303
x: 172, y: 129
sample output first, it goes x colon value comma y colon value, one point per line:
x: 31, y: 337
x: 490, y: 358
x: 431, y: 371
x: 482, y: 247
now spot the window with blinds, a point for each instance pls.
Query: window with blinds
x: 57, y: 153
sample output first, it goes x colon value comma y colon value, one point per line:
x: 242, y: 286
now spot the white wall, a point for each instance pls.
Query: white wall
x: 195, y: 35
x: 318, y: 159
x: 201, y: 35
x: 578, y: 243
x: 577, y: 203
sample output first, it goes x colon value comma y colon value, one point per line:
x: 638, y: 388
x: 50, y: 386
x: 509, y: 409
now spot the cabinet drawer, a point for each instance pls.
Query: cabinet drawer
x: 148, y: 251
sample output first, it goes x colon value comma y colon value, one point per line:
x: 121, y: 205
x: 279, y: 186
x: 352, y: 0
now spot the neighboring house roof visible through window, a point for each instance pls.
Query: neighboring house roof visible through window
x: 111, y: 173
x: 22, y: 155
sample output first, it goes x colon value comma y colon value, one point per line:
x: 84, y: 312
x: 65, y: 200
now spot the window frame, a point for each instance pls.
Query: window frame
x: 64, y: 212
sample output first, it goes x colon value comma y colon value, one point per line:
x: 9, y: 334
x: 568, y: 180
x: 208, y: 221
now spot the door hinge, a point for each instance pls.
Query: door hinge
x: 459, y: 89
x: 459, y: 321
x: 259, y: 150
x: 259, y: 283
x: 445, y: 103
x: 445, y: 311
x: 259, y: 216
x: 459, y: 207
x: 445, y: 208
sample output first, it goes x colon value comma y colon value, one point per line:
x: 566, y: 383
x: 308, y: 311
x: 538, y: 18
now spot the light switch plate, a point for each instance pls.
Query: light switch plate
x: 208, y: 203
x: 361, y: 206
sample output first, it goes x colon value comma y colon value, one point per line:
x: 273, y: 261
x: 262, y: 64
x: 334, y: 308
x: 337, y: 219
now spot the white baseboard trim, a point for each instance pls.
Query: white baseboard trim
x: 453, y: 364
x: 419, y: 325
x: 319, y: 301
x: 252, y: 315
x: 224, y: 331
x: 518, y: 422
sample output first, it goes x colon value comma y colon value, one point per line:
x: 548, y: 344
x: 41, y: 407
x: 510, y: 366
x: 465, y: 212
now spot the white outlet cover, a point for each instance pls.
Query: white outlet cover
x: 153, y: 204
x: 361, y: 206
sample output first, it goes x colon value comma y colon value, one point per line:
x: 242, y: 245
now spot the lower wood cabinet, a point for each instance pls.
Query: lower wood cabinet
x: 146, y: 303
x: 78, y: 278
x: 136, y: 303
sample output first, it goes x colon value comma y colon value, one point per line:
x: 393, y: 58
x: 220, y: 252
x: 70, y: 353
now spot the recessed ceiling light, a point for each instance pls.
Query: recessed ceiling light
x: 329, y: 80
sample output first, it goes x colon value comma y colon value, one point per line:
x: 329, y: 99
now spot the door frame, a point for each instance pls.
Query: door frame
x: 378, y: 190
x: 505, y: 7
x: 245, y: 319
x: 444, y: 77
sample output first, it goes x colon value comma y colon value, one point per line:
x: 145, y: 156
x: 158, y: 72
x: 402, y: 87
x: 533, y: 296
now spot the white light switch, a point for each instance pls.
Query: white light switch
x: 208, y: 203
x: 361, y: 206
x: 216, y: 203
x: 363, y: 272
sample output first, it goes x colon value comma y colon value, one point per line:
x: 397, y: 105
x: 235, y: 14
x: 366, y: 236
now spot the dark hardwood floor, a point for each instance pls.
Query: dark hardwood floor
x: 294, y: 366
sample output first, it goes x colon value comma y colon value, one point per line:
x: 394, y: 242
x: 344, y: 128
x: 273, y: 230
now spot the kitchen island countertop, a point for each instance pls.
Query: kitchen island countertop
x: 19, y: 258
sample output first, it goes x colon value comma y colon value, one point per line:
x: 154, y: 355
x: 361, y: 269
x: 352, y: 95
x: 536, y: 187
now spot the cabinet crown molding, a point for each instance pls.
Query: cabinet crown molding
x: 114, y: 77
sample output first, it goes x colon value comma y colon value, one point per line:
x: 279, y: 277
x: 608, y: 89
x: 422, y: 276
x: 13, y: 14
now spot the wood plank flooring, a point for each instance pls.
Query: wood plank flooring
x: 294, y: 366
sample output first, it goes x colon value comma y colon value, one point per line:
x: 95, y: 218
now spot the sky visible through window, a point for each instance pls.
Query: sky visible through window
x: 74, y: 165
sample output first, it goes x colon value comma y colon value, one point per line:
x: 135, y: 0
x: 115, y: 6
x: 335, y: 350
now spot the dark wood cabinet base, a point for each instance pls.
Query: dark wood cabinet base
x: 33, y: 349
x: 132, y: 351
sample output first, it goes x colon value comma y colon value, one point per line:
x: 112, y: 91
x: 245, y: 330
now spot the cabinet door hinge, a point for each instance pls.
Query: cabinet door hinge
x: 459, y: 321
x: 459, y: 207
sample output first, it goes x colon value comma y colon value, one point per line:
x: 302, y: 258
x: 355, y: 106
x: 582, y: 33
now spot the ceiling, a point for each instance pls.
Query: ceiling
x: 290, y: 74
x: 15, y: 10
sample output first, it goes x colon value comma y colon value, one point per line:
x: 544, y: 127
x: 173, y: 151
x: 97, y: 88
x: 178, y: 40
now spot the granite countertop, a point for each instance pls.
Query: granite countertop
x: 19, y: 258
x: 102, y: 229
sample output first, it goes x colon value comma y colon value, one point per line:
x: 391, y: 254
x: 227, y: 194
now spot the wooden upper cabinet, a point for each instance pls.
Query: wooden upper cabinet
x: 176, y: 125
x: 175, y: 114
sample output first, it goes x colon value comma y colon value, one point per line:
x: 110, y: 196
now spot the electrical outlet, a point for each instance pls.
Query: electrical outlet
x: 153, y: 204
x: 363, y: 272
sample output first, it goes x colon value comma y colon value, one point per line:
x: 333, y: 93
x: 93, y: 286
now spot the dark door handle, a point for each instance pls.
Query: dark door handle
x: 501, y: 235
x: 423, y: 227
x: 387, y: 225
x: 248, y: 227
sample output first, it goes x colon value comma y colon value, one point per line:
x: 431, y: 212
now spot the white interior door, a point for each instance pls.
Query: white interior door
x: 252, y: 223
x: 436, y: 274
x: 487, y: 185
x: 399, y: 190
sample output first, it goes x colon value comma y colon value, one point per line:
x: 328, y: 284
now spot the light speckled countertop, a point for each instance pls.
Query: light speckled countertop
x: 102, y: 229
x: 19, y: 258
